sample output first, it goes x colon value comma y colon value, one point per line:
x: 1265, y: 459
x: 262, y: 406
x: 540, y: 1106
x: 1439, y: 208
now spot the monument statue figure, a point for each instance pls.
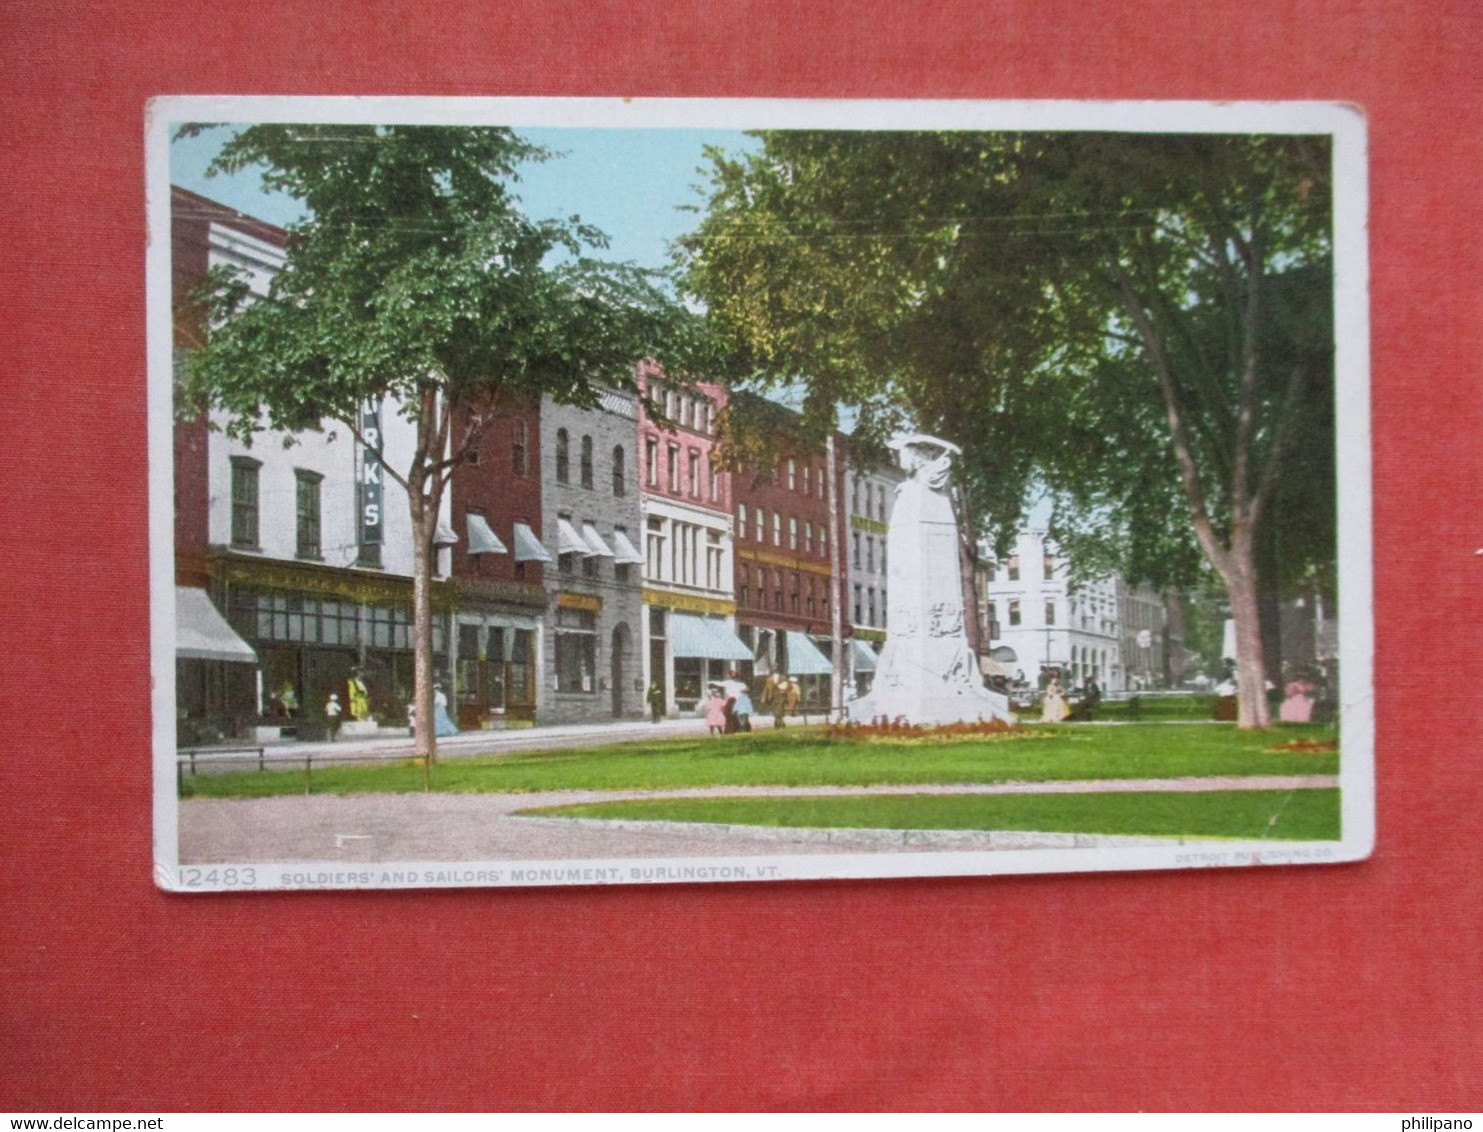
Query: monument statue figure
x: 926, y: 673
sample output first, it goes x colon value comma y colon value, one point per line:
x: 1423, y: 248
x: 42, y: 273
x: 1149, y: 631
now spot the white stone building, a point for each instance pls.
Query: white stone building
x: 869, y: 495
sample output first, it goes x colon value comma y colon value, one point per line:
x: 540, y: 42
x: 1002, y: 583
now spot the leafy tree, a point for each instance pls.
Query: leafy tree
x: 416, y: 278
x: 1139, y: 321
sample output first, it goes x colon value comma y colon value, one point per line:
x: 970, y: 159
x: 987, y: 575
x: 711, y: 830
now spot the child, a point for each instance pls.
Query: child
x: 715, y: 712
x: 332, y: 715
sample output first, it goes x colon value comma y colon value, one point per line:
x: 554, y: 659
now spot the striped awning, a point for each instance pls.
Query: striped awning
x: 528, y: 548
x: 568, y: 541
x: 595, y: 544
x: 627, y: 554
x: 707, y: 637
x: 482, y: 539
x: 201, y: 633
x: 804, y: 657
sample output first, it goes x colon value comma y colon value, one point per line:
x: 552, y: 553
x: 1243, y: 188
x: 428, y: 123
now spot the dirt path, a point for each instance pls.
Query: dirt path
x: 486, y: 827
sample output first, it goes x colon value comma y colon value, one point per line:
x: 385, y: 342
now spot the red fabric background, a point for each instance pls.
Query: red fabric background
x: 1347, y: 987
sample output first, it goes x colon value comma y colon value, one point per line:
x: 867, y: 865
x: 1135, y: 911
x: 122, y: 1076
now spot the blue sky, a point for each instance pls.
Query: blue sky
x: 631, y: 183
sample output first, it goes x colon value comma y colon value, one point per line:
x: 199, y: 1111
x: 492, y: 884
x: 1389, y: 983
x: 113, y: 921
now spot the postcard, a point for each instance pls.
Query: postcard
x: 619, y: 491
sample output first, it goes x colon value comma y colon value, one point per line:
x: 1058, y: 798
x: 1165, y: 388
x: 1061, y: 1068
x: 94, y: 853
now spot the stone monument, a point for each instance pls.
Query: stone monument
x: 926, y: 674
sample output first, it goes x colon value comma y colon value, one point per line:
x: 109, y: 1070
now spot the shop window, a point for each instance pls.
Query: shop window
x: 245, y: 501
x: 576, y: 650
x: 306, y: 512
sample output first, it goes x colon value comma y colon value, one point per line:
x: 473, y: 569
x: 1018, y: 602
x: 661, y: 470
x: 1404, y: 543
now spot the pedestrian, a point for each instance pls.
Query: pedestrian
x: 1055, y: 708
x: 656, y: 701
x: 775, y: 698
x: 332, y: 711
x: 743, y: 709
x: 359, y: 696
x: 715, y: 712
x: 443, y: 726
x: 792, y: 695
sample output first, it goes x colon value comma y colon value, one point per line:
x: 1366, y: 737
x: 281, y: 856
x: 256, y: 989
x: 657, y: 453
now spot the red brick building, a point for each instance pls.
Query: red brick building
x: 498, y: 568
x: 784, y: 581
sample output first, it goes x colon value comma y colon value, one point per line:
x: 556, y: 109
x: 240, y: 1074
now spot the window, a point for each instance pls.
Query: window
x: 823, y: 539
x: 715, y: 483
x: 587, y: 461
x: 244, y: 501
x: 870, y: 606
x: 869, y: 500
x: 620, y: 471
x: 741, y: 520
x: 870, y: 553
x: 1048, y: 564
x: 792, y: 532
x: 563, y: 457
x: 777, y: 528
x: 674, y: 468
x: 1014, y: 570
x: 1050, y: 612
x: 808, y: 537
x: 651, y: 461
x: 694, y: 470
x: 576, y: 650
x: 761, y: 525
x: 812, y: 598
x: 1014, y: 612
x: 654, y: 550
x: 855, y: 552
x: 743, y: 591
x: 855, y: 498
x: 859, y: 590
x: 792, y: 474
x: 808, y: 472
x: 714, y: 560
x: 520, y: 449
x: 306, y: 510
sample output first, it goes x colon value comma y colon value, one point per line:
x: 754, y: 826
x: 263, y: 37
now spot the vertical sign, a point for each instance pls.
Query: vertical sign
x: 371, y: 503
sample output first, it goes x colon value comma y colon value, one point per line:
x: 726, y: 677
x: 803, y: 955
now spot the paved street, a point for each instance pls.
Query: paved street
x: 485, y: 827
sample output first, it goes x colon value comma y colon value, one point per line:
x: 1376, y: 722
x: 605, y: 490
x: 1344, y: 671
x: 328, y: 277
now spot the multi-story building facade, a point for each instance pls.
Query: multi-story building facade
x: 784, y: 582
x: 302, y: 543
x: 591, y: 513
x: 1152, y: 643
x: 499, y: 567
x: 869, y: 494
x: 1043, y: 624
x: 689, y: 626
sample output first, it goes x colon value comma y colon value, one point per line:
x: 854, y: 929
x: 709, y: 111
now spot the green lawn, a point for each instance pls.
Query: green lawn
x: 806, y: 757
x: 1296, y: 815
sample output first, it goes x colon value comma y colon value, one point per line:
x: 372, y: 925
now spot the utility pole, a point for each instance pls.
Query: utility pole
x: 836, y: 631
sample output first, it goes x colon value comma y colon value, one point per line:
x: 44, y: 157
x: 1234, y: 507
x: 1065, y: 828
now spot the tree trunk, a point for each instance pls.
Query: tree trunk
x: 424, y: 521
x: 1251, y: 670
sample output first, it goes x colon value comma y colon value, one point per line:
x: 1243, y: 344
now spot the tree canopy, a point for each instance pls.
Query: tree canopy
x: 1139, y: 321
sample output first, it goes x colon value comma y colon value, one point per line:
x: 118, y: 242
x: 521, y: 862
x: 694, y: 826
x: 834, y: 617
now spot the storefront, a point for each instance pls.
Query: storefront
x: 690, y: 644
x: 497, y: 654
x: 215, y: 673
x: 313, y: 627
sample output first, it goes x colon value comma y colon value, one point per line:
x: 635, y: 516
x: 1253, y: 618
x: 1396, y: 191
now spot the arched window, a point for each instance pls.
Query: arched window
x: 620, y: 472
x: 520, y: 449
x: 586, y: 461
x: 563, y: 457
